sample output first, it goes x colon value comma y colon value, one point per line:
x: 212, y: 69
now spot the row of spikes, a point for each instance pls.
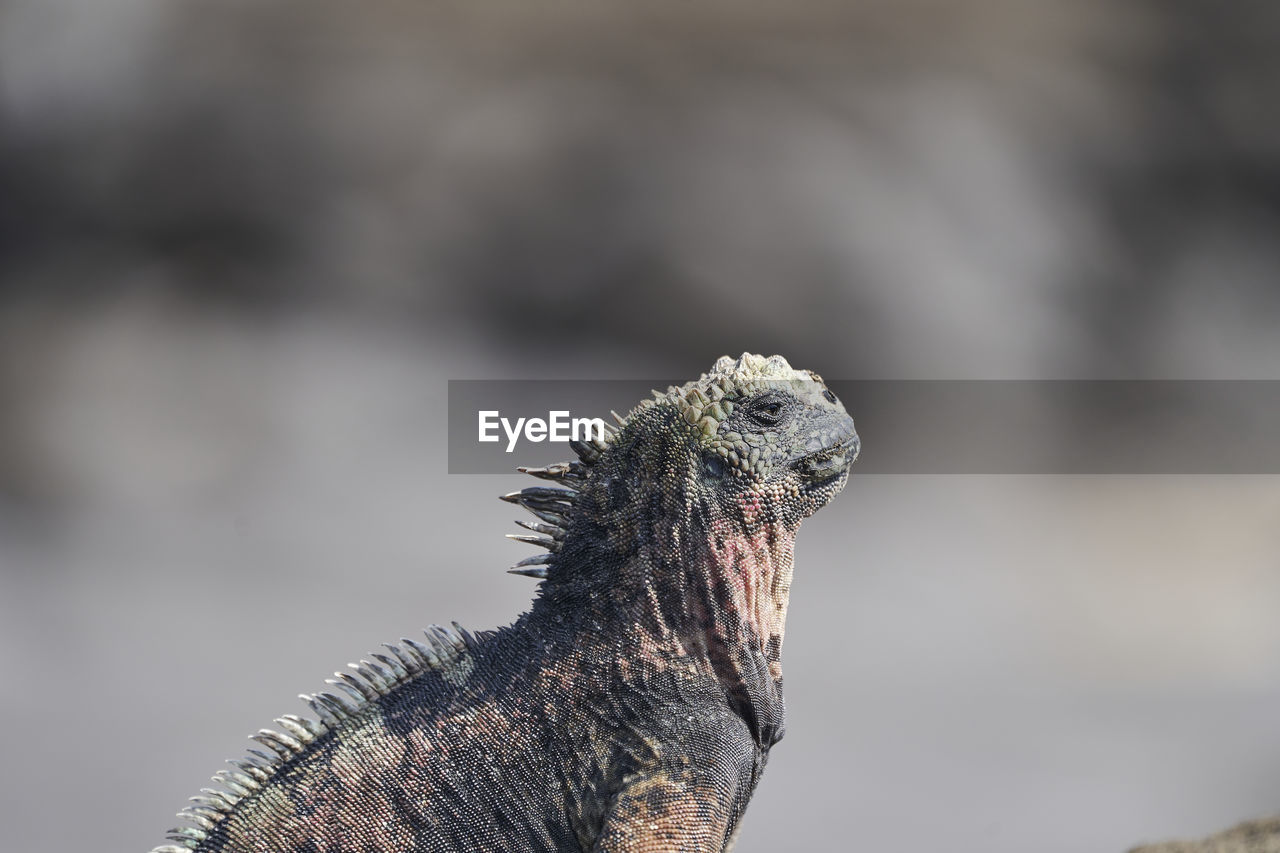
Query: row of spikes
x: 553, y: 507
x: 252, y: 773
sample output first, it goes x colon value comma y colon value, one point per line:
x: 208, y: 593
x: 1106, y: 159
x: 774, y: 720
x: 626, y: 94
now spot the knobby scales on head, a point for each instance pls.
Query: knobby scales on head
x: 632, y: 708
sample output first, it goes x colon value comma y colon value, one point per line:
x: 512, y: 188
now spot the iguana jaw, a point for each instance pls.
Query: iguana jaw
x: 829, y: 468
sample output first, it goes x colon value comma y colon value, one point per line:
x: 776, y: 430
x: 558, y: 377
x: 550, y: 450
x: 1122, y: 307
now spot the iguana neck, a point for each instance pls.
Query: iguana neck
x: 703, y: 588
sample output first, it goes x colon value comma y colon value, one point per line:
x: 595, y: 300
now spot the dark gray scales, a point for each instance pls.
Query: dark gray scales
x: 632, y: 708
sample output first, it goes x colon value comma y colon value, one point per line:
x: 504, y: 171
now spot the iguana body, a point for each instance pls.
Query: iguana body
x: 632, y: 708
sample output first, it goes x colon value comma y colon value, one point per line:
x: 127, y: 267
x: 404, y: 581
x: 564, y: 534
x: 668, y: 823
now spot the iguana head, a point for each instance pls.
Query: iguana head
x: 752, y: 441
x: 758, y: 425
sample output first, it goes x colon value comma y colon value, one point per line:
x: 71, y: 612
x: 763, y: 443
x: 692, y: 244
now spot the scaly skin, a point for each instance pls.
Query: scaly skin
x: 632, y: 708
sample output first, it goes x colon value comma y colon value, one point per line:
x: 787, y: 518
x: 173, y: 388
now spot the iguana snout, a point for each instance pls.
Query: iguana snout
x: 824, y: 465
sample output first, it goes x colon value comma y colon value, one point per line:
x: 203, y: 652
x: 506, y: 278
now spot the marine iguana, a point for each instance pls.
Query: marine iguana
x: 632, y: 708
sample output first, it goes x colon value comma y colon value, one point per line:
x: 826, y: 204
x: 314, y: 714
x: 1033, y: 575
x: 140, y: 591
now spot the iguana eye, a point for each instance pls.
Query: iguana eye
x: 767, y: 412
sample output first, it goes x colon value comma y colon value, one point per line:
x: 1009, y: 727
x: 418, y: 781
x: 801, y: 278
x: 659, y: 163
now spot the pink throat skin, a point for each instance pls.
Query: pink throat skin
x: 749, y: 568
x: 722, y: 608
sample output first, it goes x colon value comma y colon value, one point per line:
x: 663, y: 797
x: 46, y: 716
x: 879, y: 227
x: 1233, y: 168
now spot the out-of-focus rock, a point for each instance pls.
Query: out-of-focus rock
x: 1255, y: 836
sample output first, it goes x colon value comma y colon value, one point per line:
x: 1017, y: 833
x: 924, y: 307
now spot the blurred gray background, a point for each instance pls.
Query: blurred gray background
x: 244, y: 245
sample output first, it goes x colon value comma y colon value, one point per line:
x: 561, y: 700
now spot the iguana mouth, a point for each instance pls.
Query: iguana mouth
x: 829, y: 463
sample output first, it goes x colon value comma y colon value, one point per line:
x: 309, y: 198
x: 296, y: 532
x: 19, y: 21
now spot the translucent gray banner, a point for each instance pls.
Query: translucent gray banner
x: 929, y: 426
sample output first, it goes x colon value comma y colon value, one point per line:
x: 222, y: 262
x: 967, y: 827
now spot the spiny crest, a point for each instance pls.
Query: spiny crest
x: 553, y: 506
x: 704, y: 403
x: 354, y: 692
